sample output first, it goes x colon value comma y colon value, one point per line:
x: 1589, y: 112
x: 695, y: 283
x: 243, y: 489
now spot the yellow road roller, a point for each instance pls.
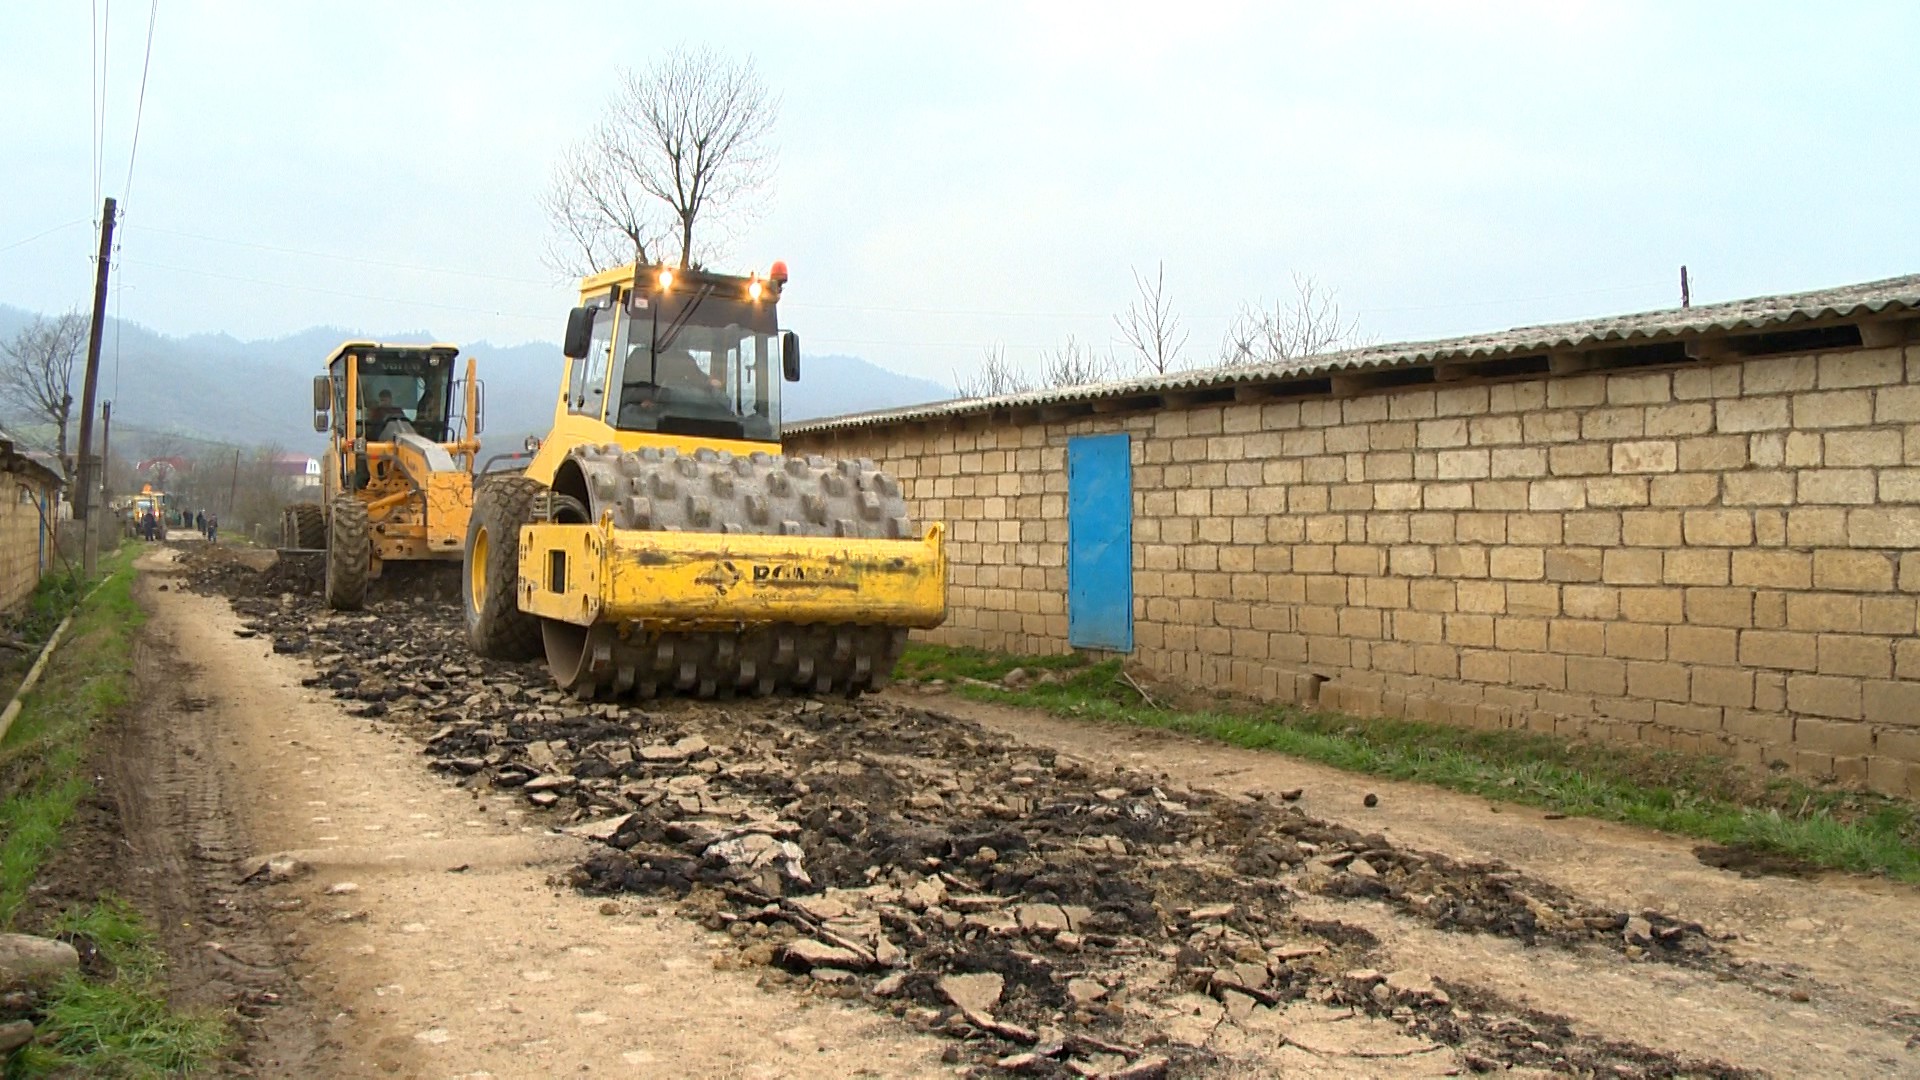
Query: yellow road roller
x: 660, y: 542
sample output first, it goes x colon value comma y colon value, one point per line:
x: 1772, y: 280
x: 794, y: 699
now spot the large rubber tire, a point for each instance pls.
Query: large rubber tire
x: 349, y: 554
x: 490, y: 570
x: 303, y: 526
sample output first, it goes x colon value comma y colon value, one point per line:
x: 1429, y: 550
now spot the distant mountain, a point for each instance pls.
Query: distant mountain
x: 215, y: 387
x: 836, y: 385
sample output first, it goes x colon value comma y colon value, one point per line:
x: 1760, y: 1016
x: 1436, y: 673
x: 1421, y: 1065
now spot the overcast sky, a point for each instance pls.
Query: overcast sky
x: 952, y: 176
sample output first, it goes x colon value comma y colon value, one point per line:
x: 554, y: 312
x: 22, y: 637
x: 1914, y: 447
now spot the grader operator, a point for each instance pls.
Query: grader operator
x: 660, y: 542
x: 396, y: 482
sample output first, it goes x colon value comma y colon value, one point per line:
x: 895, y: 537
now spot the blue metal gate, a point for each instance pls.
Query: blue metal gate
x: 1100, y: 543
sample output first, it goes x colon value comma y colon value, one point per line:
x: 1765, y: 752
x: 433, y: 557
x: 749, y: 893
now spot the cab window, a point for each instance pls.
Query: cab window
x: 586, y: 395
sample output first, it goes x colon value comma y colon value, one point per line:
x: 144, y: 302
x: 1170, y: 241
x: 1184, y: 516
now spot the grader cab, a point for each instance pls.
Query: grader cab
x: 396, y: 481
x: 660, y: 542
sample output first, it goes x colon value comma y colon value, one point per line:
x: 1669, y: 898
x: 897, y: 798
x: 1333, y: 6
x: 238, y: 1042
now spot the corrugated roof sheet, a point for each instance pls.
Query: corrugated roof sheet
x: 1757, y: 314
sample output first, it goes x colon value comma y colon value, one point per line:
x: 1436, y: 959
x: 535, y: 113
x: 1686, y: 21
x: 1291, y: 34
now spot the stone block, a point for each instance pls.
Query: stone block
x: 1596, y: 675
x: 1847, y: 486
x: 1773, y: 569
x: 1829, y: 737
x: 1833, y: 409
x: 1650, y: 456
x: 1463, y: 465
x: 1758, y: 489
x: 1628, y: 641
x: 1686, y: 566
x: 1889, y: 702
x: 1862, y: 448
x: 1538, y: 669
x: 1778, y: 374
x: 1782, y: 649
x: 1516, y: 563
x: 1718, y: 528
x: 1684, y: 489
x: 1533, y: 599
x: 1752, y: 414
x: 1882, y: 527
x: 1837, y: 613
x: 1579, y: 459
x: 1556, y: 495
x: 1877, y: 367
x: 1817, y: 527
x: 1572, y: 564
x: 1855, y: 654
x: 1853, y: 571
x: 1731, y: 607
x: 1713, y: 453
x: 1824, y: 695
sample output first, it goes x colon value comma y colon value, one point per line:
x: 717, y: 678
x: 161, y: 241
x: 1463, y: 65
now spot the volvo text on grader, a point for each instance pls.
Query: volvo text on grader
x: 660, y: 542
x: 396, y: 483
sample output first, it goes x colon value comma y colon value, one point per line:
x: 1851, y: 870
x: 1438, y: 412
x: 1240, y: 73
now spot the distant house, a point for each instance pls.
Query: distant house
x: 301, y: 470
x: 29, y: 511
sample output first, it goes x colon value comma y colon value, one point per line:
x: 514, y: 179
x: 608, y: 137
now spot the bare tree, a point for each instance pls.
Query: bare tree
x: 1308, y: 325
x: 996, y: 377
x: 1076, y: 365
x: 600, y: 218
x: 686, y: 141
x: 1150, y: 326
x: 36, y: 374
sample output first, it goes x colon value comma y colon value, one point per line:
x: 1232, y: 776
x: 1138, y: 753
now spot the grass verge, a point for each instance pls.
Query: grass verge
x: 119, y: 1025
x: 42, y: 774
x: 1679, y: 793
x: 112, y: 1020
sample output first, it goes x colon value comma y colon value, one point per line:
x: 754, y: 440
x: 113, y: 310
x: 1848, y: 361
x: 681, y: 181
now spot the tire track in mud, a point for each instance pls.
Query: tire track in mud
x: 1052, y: 919
x: 160, y: 832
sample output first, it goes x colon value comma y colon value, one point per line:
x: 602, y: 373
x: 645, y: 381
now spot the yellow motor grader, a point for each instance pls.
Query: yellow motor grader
x: 660, y: 542
x: 396, y: 482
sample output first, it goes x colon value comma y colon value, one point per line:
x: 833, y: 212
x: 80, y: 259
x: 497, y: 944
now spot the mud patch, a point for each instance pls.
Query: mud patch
x: 1751, y: 862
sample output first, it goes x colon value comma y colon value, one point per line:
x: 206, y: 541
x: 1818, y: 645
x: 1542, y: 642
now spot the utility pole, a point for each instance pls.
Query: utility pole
x: 83, y: 506
x: 233, y: 486
x: 1686, y: 289
x: 106, y: 452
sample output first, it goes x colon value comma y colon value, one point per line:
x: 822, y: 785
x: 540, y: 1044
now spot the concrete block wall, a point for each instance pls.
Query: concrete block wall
x: 1719, y: 558
x: 21, y: 555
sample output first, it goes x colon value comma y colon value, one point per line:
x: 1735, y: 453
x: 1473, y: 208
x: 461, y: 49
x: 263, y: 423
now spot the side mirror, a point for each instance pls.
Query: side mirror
x: 790, y: 356
x: 479, y: 406
x: 322, y: 393
x: 320, y: 421
x: 579, y: 333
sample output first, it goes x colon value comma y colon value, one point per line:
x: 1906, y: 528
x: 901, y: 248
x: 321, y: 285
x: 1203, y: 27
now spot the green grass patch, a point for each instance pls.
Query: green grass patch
x: 120, y: 1025
x: 1674, y: 792
x: 42, y: 761
x: 113, y: 1020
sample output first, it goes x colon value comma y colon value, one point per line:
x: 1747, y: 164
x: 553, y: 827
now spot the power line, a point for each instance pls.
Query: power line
x: 40, y: 235
x: 126, y: 192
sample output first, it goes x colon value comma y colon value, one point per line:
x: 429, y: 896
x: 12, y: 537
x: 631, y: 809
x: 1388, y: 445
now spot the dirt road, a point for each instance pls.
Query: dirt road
x: 904, y: 886
x: 417, y: 930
